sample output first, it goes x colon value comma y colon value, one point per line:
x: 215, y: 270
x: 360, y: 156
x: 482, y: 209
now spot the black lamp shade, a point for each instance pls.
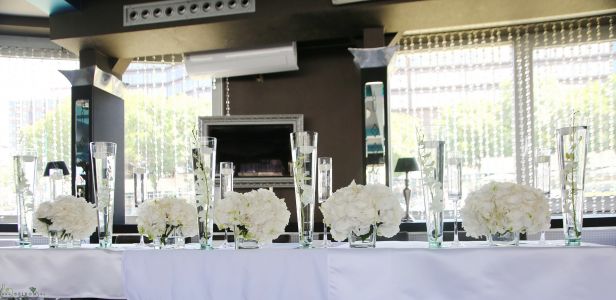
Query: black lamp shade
x: 56, y: 165
x: 406, y: 164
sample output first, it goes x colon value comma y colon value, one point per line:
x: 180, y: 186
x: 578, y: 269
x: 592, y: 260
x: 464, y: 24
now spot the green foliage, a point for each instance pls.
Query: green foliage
x: 157, y: 130
x: 484, y: 127
x: 473, y: 127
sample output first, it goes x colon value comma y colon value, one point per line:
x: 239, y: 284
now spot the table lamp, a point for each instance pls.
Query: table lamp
x: 406, y: 165
x: 55, y: 170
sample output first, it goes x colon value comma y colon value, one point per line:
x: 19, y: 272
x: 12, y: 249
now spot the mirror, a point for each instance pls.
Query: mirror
x: 375, y: 133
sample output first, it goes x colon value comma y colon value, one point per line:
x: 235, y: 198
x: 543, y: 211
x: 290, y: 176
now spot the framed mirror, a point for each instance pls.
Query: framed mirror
x: 375, y: 134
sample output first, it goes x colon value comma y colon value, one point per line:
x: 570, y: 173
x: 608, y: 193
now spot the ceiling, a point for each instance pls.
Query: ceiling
x: 98, y: 24
x: 20, y: 17
x: 20, y: 8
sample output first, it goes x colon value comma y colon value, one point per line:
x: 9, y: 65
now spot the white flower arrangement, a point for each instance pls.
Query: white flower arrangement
x: 501, y: 207
x: 71, y: 217
x: 258, y: 215
x: 158, y: 218
x: 356, y: 208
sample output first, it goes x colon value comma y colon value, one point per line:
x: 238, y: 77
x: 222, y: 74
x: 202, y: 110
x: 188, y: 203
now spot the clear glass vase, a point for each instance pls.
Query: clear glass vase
x: 65, y: 240
x: 304, y: 154
x: 504, y: 239
x: 24, y: 168
x: 431, y: 151
x: 325, y: 170
x: 543, y: 178
x: 175, y: 239
x: 245, y: 241
x: 103, y: 158
x: 139, y: 192
x: 53, y: 236
x: 359, y: 239
x: 572, y: 148
x: 204, y: 160
x: 226, y: 186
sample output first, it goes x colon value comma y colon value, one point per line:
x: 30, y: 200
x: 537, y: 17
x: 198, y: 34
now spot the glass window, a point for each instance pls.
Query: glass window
x: 580, y: 77
x: 34, y: 113
x: 466, y: 90
x: 161, y: 109
x: 500, y: 94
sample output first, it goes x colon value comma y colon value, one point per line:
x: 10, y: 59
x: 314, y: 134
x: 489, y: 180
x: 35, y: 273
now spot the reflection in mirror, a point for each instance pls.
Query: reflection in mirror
x: 375, y: 146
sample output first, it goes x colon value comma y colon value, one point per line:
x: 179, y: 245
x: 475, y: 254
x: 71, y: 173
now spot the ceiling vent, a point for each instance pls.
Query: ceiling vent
x: 171, y: 11
x: 242, y: 62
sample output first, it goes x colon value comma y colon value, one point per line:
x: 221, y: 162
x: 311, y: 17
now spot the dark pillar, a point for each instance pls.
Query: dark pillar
x: 97, y: 116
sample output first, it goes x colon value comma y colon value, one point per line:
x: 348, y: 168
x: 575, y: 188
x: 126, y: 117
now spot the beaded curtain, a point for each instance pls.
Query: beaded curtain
x: 501, y: 92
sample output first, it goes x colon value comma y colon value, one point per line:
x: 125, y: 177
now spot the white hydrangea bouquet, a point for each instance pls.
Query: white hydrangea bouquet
x: 159, y: 219
x: 256, y: 215
x: 357, y: 209
x: 503, y: 207
x: 66, y: 218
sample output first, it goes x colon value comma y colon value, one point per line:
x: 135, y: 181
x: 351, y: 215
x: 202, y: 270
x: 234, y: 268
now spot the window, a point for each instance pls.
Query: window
x: 34, y: 113
x: 498, y: 93
x: 580, y: 76
x: 161, y: 109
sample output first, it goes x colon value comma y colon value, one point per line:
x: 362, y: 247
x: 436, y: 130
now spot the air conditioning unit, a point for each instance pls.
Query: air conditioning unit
x: 220, y: 64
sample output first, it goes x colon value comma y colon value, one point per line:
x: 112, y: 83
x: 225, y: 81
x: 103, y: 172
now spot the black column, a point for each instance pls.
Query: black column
x: 97, y: 116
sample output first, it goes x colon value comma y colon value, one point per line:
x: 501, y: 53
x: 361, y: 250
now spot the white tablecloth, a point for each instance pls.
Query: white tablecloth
x: 473, y: 273
x: 266, y: 274
x: 394, y: 270
x: 63, y: 273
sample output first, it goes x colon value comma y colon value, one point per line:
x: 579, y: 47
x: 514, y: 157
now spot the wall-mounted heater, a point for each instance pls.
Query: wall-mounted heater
x: 242, y: 62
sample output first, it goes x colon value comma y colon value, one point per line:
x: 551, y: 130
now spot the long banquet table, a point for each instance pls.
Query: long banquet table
x: 394, y: 270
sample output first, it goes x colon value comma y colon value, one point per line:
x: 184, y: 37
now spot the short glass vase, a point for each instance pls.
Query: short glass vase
x: 175, y: 240
x: 504, y: 239
x: 244, y: 241
x: 367, y: 240
x: 59, y: 239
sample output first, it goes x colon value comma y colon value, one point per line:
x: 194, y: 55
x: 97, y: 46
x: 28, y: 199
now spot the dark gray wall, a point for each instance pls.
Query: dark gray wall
x: 326, y: 91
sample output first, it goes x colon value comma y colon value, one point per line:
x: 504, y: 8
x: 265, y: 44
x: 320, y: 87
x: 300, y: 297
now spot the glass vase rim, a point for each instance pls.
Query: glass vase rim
x: 103, y: 143
x: 26, y: 152
x: 567, y: 129
x: 206, y: 138
x: 429, y: 135
x: 309, y: 132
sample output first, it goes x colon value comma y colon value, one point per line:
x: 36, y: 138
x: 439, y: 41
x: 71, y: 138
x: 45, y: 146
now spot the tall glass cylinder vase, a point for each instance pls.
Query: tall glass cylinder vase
x: 542, y: 177
x: 56, y: 177
x: 325, y: 188
x: 304, y: 154
x: 431, y: 150
x: 204, y: 160
x: 139, y: 170
x: 103, y: 158
x: 226, y: 186
x: 454, y: 189
x: 572, y: 147
x: 24, y: 168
